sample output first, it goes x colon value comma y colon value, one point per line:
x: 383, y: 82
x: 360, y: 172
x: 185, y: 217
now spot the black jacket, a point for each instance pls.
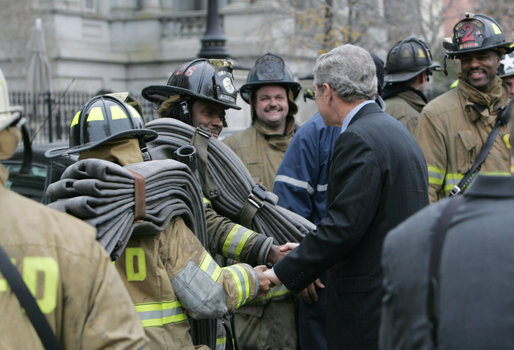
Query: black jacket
x: 378, y: 178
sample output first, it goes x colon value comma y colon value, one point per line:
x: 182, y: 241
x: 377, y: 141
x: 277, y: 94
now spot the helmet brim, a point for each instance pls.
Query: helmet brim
x: 246, y: 89
x: 10, y: 116
x: 160, y: 93
x: 406, y: 76
x: 506, y: 47
x: 147, y: 135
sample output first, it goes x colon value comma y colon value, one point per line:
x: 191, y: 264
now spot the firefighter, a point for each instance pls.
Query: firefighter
x: 453, y: 127
x: 506, y: 72
x: 271, y: 91
x: 157, y: 268
x: 198, y: 93
x: 70, y: 275
x: 409, y: 66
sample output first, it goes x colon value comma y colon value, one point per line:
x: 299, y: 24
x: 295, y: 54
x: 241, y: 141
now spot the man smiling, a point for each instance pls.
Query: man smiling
x: 454, y: 127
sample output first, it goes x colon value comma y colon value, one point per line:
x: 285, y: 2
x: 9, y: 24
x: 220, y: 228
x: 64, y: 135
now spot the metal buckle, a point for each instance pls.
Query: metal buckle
x: 260, y: 191
x: 255, y: 201
x: 455, y: 191
x: 203, y: 131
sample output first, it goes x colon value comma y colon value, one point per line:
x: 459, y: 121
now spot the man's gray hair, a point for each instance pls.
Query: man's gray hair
x: 349, y: 70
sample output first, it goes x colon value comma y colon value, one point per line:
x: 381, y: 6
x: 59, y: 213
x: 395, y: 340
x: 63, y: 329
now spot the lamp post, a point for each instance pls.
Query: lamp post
x: 213, y: 40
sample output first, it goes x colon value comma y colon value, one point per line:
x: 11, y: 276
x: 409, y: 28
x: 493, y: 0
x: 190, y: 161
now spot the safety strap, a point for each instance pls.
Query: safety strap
x: 27, y: 302
x: 438, y: 238
x: 139, y: 196
x: 503, y: 117
x: 200, y: 140
x: 253, y: 202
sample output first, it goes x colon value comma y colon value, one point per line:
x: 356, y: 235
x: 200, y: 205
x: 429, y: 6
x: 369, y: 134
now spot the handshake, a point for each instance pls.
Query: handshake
x: 268, y: 279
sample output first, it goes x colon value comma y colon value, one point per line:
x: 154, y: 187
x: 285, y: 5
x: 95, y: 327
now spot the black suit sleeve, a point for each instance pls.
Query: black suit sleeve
x: 353, y: 198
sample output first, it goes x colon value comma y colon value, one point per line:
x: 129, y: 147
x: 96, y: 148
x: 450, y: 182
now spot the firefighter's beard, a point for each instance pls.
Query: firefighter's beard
x: 9, y: 139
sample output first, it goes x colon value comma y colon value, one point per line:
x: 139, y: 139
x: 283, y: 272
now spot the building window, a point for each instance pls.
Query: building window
x: 89, y: 5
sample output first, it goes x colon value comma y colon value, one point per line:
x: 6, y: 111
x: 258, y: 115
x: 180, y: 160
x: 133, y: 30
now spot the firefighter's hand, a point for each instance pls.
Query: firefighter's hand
x: 309, y: 294
x: 278, y: 252
x: 264, y: 282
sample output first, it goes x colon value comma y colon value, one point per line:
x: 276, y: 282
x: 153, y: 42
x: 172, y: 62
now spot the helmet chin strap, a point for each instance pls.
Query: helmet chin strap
x: 144, y: 150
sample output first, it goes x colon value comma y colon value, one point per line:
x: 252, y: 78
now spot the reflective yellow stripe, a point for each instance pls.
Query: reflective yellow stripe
x: 159, y: 314
x: 95, y: 114
x: 206, y: 201
x: 210, y: 266
x: 221, y: 343
x: 240, y: 278
x: 496, y: 29
x: 435, y: 175
x: 274, y: 292
x: 495, y: 173
x: 235, y: 241
x: 75, y: 120
x: 117, y: 113
x: 506, y: 139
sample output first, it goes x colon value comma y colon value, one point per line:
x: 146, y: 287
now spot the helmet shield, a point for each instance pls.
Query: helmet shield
x: 269, y: 69
x: 101, y: 119
x: 506, y: 68
x: 477, y: 33
x: 207, y: 79
x: 408, y: 58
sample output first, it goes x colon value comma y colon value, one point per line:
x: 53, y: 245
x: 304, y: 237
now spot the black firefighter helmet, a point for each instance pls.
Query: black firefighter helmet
x: 407, y: 59
x: 476, y: 33
x: 207, y: 79
x: 269, y: 69
x: 102, y: 119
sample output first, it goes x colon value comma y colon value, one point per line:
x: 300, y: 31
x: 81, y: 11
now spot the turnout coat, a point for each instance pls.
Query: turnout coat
x: 378, y: 178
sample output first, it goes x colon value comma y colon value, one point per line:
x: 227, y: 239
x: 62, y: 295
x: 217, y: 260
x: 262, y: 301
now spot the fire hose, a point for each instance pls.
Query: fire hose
x: 140, y: 198
x: 227, y: 183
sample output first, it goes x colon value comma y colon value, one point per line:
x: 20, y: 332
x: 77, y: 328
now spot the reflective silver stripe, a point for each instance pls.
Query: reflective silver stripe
x: 236, y: 240
x: 240, y: 278
x: 295, y: 182
x: 160, y: 313
x: 322, y: 188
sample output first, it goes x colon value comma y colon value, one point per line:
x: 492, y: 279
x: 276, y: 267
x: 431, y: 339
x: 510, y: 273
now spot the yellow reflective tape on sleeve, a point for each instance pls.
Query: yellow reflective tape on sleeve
x: 274, y: 292
x: 236, y: 240
x: 95, y: 114
x: 206, y: 200
x: 210, y: 266
x: 75, y: 119
x: 117, y: 113
x: 452, y: 180
x: 435, y: 175
x: 240, y: 277
x: 221, y: 343
x: 161, y: 313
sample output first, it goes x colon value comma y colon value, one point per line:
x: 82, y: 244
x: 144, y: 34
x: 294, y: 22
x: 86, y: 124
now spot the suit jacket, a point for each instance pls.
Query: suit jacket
x: 378, y: 178
x: 476, y: 284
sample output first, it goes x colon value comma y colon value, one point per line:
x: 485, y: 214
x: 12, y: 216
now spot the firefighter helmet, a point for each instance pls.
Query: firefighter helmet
x: 476, y: 33
x: 269, y: 69
x: 103, y: 118
x: 408, y: 58
x: 8, y: 115
x: 506, y: 68
x: 207, y: 79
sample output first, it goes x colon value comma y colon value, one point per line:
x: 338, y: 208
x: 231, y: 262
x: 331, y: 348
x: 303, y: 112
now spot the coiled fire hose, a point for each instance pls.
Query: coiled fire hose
x: 227, y: 183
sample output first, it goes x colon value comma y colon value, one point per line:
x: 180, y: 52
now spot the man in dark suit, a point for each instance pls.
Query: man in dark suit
x: 377, y: 179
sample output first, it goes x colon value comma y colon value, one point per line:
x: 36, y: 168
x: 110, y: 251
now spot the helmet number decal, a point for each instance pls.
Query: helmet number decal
x: 469, y: 32
x: 189, y: 72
